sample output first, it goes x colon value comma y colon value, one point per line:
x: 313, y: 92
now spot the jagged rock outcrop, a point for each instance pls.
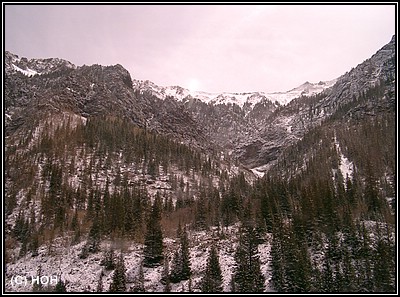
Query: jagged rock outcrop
x: 86, y: 91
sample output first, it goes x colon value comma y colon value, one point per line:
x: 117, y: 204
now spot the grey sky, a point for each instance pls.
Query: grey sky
x: 217, y: 48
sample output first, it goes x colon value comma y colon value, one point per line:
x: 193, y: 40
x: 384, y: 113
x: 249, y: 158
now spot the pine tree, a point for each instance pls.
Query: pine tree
x: 232, y: 283
x: 25, y: 234
x: 190, y: 289
x: 153, y: 249
x: 382, y: 259
x: 248, y: 276
x: 181, y: 261
x: 139, y: 281
x: 365, y: 271
x: 212, y: 278
x: 93, y: 243
x: 165, y: 278
x: 99, y: 287
x: 37, y: 286
x: 298, y: 266
x: 348, y: 275
x: 60, y: 287
x: 371, y: 193
x: 186, y: 271
x: 108, y: 260
x: 119, y: 278
x: 34, y: 245
x: 277, y: 260
x: 200, y: 215
x: 330, y: 264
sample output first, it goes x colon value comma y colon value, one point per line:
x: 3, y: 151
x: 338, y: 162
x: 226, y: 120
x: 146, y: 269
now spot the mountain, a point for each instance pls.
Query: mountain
x: 291, y: 122
x: 254, y: 128
x: 33, y: 66
x: 249, y: 99
x: 114, y: 183
x: 228, y: 118
x: 87, y: 90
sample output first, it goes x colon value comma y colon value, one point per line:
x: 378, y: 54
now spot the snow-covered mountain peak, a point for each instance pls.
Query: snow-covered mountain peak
x: 306, y: 89
x: 34, y: 66
x: 240, y: 99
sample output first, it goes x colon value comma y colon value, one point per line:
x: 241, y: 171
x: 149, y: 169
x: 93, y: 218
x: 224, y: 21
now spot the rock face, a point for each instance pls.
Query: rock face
x: 229, y: 119
x: 53, y: 85
x: 367, y: 88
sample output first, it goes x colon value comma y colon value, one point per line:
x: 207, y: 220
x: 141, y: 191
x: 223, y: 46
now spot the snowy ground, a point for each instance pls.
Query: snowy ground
x: 346, y: 166
x: 61, y: 260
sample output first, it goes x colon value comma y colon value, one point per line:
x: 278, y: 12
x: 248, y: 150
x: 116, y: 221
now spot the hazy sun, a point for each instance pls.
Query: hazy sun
x: 193, y: 84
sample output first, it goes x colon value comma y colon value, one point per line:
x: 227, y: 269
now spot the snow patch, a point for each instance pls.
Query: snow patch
x: 345, y: 166
x: 260, y: 171
x: 28, y: 72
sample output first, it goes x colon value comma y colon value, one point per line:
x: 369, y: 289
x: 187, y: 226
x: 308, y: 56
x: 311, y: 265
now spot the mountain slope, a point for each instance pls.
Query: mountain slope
x: 87, y: 91
x: 369, y: 87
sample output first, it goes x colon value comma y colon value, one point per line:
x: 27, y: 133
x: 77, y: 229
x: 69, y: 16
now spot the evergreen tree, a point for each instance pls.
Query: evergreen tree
x: 200, y: 215
x: 181, y: 261
x: 99, y: 287
x: 186, y: 271
x: 348, y: 275
x: 371, y: 193
x: 119, y: 278
x: 365, y: 271
x: 153, y: 249
x: 165, y: 278
x: 139, y: 281
x: 25, y: 234
x: 330, y: 264
x: 248, y: 276
x: 34, y: 245
x: 298, y: 266
x: 93, y: 242
x: 74, y: 221
x: 278, y: 260
x: 232, y: 283
x: 37, y: 286
x: 190, y: 289
x: 108, y: 260
x: 382, y: 258
x: 60, y: 287
x: 212, y: 278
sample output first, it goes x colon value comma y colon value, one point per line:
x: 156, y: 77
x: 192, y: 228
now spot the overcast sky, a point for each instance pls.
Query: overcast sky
x: 232, y: 48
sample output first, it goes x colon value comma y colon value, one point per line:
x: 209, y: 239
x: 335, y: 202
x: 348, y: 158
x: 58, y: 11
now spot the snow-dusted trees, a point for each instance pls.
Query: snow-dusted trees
x: 153, y: 249
x: 211, y: 281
